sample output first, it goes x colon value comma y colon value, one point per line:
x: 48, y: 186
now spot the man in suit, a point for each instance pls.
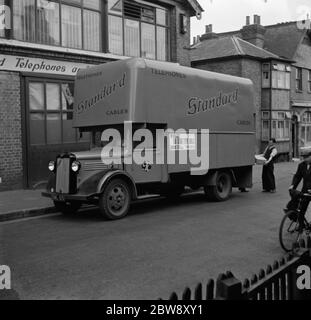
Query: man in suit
x: 303, y: 173
x: 268, y: 179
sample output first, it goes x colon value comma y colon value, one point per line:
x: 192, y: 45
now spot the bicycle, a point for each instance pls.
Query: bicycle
x: 291, y: 230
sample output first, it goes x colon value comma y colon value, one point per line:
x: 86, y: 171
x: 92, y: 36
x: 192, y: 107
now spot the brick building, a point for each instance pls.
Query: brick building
x: 42, y: 46
x: 292, y: 40
x: 242, y: 54
x: 291, y: 43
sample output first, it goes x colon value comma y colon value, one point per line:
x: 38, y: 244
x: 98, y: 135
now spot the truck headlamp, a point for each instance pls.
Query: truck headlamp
x: 51, y: 165
x: 75, y: 167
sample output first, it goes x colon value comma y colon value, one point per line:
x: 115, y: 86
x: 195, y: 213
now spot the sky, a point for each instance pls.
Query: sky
x: 228, y: 15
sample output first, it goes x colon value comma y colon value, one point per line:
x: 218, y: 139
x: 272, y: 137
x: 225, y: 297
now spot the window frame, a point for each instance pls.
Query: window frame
x: 266, y: 70
x: 44, y: 81
x: 280, y: 76
x: 309, y: 80
x: 155, y: 24
x: 305, y: 127
x: 299, y: 81
x: 82, y: 8
x: 278, y: 125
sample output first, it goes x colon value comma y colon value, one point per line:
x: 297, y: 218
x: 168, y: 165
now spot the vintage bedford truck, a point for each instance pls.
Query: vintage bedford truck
x: 156, y: 128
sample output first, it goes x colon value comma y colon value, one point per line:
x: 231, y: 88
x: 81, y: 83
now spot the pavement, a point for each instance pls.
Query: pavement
x: 158, y: 248
x: 20, y: 204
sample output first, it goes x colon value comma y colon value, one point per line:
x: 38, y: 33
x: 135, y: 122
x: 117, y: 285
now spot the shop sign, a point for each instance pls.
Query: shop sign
x: 26, y: 64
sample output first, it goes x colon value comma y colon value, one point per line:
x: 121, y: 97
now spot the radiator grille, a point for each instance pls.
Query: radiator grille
x: 62, y: 175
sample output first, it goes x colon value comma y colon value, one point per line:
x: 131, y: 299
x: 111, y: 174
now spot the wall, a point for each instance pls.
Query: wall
x: 180, y: 43
x: 302, y: 58
x: 232, y: 67
x: 280, y: 99
x: 251, y: 69
x: 11, y: 170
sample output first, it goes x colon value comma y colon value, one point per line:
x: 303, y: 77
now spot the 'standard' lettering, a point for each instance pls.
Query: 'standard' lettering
x: 198, y: 105
x: 106, y: 91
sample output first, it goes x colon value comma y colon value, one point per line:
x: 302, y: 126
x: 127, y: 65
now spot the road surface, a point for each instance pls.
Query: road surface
x: 159, y: 248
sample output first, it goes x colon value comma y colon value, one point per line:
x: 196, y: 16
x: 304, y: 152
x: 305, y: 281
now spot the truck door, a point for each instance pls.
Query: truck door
x: 149, y: 170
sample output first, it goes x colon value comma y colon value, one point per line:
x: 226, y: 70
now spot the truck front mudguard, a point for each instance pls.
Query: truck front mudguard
x: 96, y: 183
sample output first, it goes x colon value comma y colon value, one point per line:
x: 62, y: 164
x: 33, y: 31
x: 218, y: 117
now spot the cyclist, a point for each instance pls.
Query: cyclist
x: 303, y: 173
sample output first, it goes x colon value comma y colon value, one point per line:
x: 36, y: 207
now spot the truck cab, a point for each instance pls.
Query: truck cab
x: 156, y: 128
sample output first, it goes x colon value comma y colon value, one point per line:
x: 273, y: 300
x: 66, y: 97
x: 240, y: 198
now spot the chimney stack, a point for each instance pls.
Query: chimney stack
x: 254, y: 33
x: 209, y: 34
x: 248, y: 20
x: 257, y: 19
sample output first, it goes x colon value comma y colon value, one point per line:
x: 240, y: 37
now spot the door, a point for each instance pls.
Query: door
x: 49, y: 114
x: 295, y: 137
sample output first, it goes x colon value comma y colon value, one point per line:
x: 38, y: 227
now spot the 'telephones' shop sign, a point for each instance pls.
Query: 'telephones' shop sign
x: 25, y: 64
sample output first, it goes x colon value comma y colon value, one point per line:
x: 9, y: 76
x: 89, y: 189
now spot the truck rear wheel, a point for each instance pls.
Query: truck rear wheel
x: 115, y: 201
x: 221, y: 191
x: 67, y: 208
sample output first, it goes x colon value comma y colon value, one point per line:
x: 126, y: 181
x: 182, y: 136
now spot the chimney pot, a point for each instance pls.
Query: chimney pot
x: 198, y: 39
x: 255, y: 18
x: 258, y: 20
x: 248, y: 20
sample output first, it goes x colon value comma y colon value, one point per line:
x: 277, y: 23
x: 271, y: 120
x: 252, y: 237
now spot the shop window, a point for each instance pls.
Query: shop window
x: 23, y: 21
x: 148, y: 41
x: 71, y: 27
x: 51, y: 113
x: 146, y: 29
x: 299, y: 79
x: 115, y: 26
x: 48, y: 22
x: 69, y: 23
x: 132, y: 40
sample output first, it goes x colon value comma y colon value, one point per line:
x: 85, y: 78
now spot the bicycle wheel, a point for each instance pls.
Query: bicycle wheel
x: 289, y: 231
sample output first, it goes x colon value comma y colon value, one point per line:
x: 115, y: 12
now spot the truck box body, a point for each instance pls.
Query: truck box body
x: 176, y: 97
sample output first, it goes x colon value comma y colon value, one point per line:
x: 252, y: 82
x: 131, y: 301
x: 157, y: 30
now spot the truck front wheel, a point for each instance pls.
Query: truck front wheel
x: 114, y: 202
x: 221, y: 191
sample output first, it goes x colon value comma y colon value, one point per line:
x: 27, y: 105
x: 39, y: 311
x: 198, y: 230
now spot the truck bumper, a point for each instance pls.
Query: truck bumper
x: 67, y: 197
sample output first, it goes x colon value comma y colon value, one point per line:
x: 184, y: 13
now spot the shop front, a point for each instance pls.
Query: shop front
x: 47, y: 96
